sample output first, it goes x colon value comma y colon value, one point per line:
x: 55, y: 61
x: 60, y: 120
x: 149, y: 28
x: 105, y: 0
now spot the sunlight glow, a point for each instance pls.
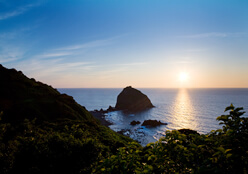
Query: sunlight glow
x: 183, y: 77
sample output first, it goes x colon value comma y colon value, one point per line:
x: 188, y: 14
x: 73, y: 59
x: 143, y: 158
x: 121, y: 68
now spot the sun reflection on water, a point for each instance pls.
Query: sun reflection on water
x: 182, y: 111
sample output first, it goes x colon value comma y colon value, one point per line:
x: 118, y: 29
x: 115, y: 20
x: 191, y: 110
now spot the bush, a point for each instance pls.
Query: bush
x: 77, y: 147
x: 54, y: 148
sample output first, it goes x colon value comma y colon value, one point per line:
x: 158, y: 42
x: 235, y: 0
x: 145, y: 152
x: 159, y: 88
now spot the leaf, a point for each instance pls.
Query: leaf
x: 227, y: 150
x: 238, y: 109
x: 231, y: 107
x: 200, y: 146
x: 221, y: 149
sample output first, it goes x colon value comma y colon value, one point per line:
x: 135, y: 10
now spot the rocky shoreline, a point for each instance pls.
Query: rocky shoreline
x: 101, y: 114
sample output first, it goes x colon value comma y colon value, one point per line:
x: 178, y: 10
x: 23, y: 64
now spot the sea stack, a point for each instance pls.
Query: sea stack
x: 132, y: 100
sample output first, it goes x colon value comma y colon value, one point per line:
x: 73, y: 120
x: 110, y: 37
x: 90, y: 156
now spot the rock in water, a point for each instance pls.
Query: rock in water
x: 152, y: 123
x: 132, y: 100
x: 134, y: 122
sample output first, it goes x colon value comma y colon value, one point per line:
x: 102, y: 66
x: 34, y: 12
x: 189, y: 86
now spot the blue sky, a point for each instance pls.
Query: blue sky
x: 116, y: 43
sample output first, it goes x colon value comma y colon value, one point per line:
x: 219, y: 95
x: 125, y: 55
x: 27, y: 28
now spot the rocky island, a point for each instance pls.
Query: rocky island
x: 132, y: 100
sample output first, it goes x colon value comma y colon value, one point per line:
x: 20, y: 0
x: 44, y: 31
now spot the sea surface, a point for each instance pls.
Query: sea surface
x: 195, y: 109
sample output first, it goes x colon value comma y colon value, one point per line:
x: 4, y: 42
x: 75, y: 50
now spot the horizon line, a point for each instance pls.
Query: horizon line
x: 151, y: 87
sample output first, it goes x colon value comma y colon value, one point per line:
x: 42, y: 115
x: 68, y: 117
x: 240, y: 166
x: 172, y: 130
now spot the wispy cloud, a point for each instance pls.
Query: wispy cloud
x: 7, y: 35
x: 58, y: 62
x: 10, y: 48
x: 7, y: 59
x: 54, y: 55
x: 16, y: 12
x: 132, y: 64
x: 91, y: 44
x: 15, y: 34
x: 195, y: 50
x: 72, y: 62
x: 40, y: 68
x: 182, y: 62
x: 65, y: 68
x: 214, y: 34
x: 10, y: 53
x: 73, y: 50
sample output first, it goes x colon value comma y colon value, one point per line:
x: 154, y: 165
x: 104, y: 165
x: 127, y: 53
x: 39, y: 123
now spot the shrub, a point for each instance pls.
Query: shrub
x: 77, y: 147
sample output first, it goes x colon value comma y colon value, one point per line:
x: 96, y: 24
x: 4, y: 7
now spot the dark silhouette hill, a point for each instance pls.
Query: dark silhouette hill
x: 43, y: 131
x: 132, y: 100
x: 21, y: 97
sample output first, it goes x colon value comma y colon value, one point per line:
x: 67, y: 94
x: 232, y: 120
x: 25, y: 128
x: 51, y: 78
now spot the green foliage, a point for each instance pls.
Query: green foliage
x: 233, y: 123
x: 87, y: 147
x: 73, y: 147
x: 127, y: 160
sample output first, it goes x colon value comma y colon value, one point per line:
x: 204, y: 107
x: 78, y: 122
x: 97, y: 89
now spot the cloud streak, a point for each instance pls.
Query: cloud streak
x: 91, y: 44
x: 8, y: 35
x: 10, y: 53
x: 182, y: 62
x: 40, y: 68
x: 54, y: 55
x: 72, y: 50
x: 213, y: 35
x: 59, y: 62
x: 133, y: 64
x: 16, y: 12
x: 70, y: 62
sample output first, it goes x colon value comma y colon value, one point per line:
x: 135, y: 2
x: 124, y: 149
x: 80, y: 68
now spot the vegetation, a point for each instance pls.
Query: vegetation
x: 80, y: 147
x: 71, y: 147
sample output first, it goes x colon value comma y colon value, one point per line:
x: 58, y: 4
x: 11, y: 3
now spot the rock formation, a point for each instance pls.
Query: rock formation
x: 152, y: 123
x: 132, y: 100
x: 134, y: 122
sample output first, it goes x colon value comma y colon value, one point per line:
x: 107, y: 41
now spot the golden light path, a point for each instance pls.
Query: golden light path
x: 182, y: 111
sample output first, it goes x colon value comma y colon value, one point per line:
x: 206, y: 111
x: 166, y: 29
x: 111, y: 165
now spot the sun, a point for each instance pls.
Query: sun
x: 183, y: 77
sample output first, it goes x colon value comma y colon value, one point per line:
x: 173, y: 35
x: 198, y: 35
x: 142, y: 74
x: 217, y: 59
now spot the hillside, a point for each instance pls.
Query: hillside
x: 43, y: 131
x: 22, y: 98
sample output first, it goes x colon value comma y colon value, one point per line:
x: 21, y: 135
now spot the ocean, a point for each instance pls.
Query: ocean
x: 195, y: 109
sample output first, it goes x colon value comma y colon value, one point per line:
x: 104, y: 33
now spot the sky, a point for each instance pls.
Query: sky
x: 118, y: 43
